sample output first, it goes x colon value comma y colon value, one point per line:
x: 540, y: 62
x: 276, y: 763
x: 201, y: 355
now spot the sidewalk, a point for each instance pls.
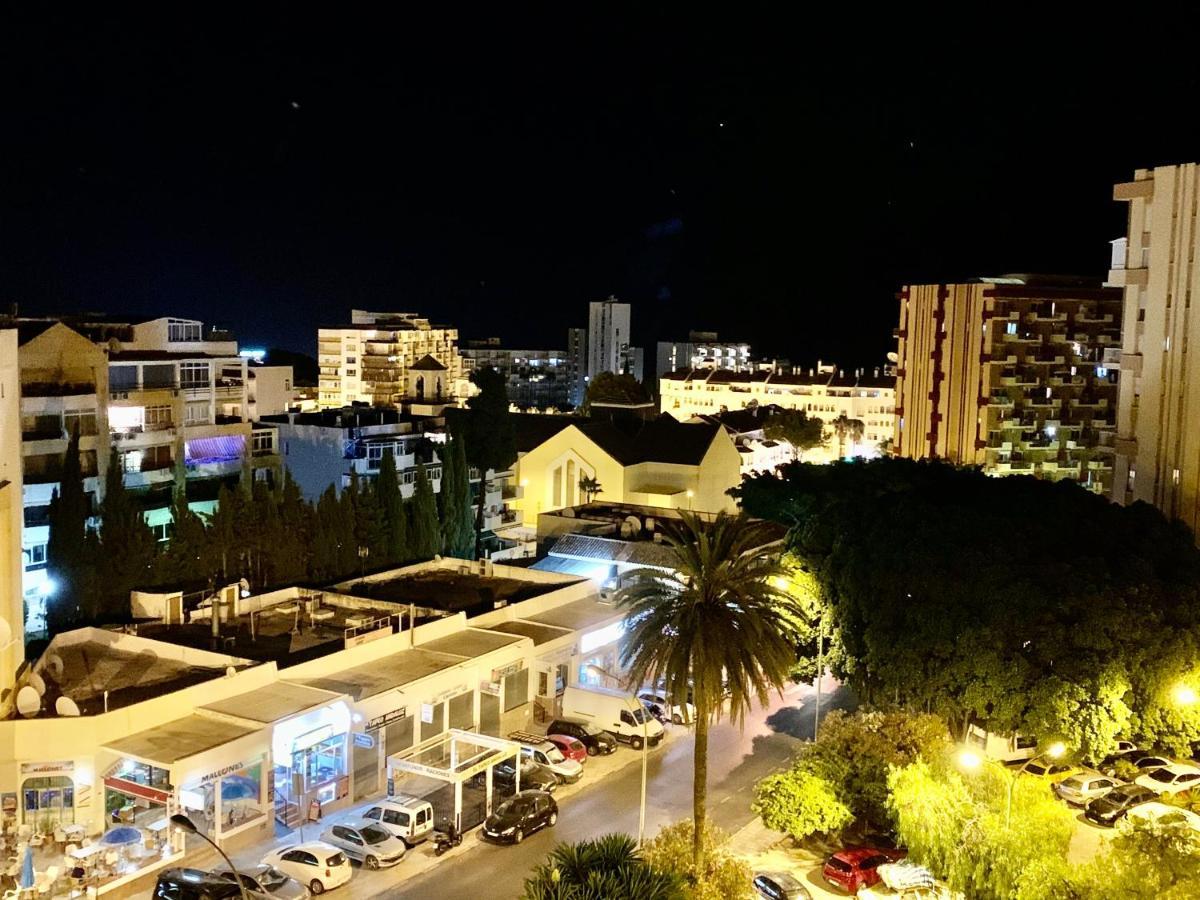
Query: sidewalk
x: 421, y: 858
x: 765, y: 850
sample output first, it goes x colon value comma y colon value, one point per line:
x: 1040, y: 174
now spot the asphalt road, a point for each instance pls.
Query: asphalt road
x: 737, y: 759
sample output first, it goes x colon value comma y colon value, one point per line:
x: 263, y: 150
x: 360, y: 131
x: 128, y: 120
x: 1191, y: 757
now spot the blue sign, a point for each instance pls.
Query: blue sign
x: 364, y: 740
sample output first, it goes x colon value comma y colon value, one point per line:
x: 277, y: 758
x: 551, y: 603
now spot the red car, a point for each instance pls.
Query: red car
x: 857, y: 868
x: 571, y: 748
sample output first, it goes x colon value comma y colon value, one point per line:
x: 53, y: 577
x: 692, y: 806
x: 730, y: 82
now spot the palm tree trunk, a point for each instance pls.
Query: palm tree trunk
x: 699, y: 788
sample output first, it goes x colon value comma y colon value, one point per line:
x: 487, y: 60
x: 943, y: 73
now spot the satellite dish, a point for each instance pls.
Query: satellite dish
x: 29, y: 704
x: 244, y: 587
x: 631, y: 527
x: 892, y: 357
x: 55, y: 665
x: 65, y: 706
x: 230, y: 671
x: 649, y: 524
x: 5, y: 631
x: 37, y: 683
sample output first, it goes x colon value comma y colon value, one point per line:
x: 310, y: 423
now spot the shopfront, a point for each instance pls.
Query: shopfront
x: 599, y: 655
x: 46, y: 796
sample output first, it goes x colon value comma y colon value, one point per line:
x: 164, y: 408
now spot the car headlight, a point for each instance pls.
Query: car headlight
x: 509, y: 830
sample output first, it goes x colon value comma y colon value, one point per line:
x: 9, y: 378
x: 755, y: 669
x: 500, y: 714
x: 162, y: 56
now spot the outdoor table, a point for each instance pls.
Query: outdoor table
x: 87, y: 852
x: 158, y: 825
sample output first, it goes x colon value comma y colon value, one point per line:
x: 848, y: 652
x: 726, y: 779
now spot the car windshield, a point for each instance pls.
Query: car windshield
x: 272, y: 879
x: 555, y: 756
x: 839, y: 865
x: 334, y: 861
x: 515, y: 807
x: 1165, y: 776
x: 1075, y: 782
x: 1037, y: 769
x: 373, y: 834
x: 639, y: 715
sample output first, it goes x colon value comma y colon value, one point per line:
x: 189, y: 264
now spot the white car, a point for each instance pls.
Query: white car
x: 1082, y: 789
x: 1154, y: 811
x: 1170, y: 779
x: 317, y: 864
x: 678, y: 713
x: 366, y: 841
x: 537, y: 749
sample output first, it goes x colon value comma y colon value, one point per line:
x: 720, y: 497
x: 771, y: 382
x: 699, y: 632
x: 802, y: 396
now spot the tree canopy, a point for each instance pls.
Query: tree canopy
x: 491, y: 437
x: 607, y: 866
x: 1020, y: 604
x: 610, y: 387
x: 794, y: 427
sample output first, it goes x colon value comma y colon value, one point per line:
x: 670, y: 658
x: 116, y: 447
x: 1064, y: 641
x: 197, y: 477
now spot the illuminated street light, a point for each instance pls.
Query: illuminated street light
x: 1183, y: 695
x: 969, y: 760
x: 1056, y: 750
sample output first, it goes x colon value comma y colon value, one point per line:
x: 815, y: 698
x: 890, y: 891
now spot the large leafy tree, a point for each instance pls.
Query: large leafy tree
x: 800, y: 803
x: 491, y: 440
x: 723, y: 874
x: 610, y: 387
x: 607, y: 866
x: 720, y: 619
x: 795, y: 428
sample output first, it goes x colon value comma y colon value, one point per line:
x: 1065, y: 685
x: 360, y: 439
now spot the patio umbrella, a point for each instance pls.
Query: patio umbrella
x: 121, y: 836
x: 27, y: 878
x: 238, y: 787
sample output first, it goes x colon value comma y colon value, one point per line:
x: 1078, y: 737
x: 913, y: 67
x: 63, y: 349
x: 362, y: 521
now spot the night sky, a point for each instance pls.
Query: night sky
x: 769, y: 180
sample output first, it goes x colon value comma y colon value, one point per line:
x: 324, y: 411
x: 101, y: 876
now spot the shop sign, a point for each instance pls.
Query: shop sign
x: 387, y: 718
x: 427, y: 713
x: 491, y: 688
x: 365, y: 741
x: 446, y: 695
x: 134, y: 789
x: 511, y: 669
x: 35, y: 768
x: 226, y: 770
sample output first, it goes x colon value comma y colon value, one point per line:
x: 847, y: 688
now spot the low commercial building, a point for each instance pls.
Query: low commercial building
x: 860, y: 396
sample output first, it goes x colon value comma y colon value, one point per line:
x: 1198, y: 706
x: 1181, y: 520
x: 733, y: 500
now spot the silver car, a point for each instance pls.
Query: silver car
x: 366, y: 842
x: 264, y: 882
x: 1081, y: 789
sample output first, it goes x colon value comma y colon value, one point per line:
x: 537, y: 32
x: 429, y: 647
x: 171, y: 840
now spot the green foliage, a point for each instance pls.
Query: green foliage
x: 800, y: 804
x: 391, y: 507
x: 67, y: 557
x: 720, y: 618
x: 794, y: 427
x: 955, y: 825
x: 458, y: 531
x: 846, y: 429
x: 606, y: 867
x: 1157, y: 860
x: 491, y: 439
x: 128, y: 549
x: 718, y: 877
x: 589, y: 487
x: 609, y: 387
x: 425, y: 534
x: 1016, y: 603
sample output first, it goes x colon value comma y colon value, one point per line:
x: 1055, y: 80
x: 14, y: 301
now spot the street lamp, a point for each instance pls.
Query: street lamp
x: 970, y: 761
x: 1183, y: 695
x: 183, y: 823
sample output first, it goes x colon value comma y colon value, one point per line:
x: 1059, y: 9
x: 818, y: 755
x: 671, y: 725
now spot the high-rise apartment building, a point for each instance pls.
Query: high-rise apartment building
x: 386, y: 358
x: 577, y: 363
x: 608, y: 337
x: 12, y: 619
x: 540, y: 379
x: 1015, y: 374
x: 702, y: 350
x: 1157, y: 266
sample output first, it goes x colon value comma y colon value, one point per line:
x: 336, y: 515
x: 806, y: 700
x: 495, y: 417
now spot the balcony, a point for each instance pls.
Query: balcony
x: 57, y: 389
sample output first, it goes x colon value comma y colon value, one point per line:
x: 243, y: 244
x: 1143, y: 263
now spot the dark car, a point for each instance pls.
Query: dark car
x: 533, y: 776
x: 1112, y: 806
x: 597, y: 740
x: 193, y: 884
x: 779, y: 886
x: 657, y: 711
x: 520, y: 816
x: 852, y: 869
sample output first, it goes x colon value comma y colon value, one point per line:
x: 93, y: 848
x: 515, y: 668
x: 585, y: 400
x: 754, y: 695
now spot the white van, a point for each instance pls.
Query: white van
x: 614, y: 711
x: 1002, y: 747
x: 408, y: 818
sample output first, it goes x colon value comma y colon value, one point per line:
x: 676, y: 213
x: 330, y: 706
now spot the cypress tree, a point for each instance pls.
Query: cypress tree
x: 295, y: 543
x: 492, y: 444
x: 458, y: 537
x: 324, y: 565
x: 128, y: 549
x: 347, y: 540
x: 391, y: 507
x: 425, y: 539
x: 186, y: 558
x: 66, y: 552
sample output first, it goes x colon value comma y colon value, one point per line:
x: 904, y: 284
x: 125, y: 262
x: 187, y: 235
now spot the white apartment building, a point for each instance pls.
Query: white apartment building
x: 608, y: 337
x: 703, y: 350
x: 824, y: 393
x: 1158, y: 402
x: 377, y: 359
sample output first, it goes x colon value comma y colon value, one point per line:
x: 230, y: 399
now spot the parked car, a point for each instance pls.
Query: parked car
x: 520, y: 816
x: 544, y: 753
x: 571, y: 748
x: 851, y: 869
x: 656, y: 711
x: 533, y: 776
x: 267, y: 882
x: 1170, y: 779
x: 317, y: 864
x: 1002, y: 747
x: 779, y: 886
x: 366, y: 842
x: 194, y: 884
x: 1107, y: 810
x: 1157, y: 812
x: 679, y: 712
x: 615, y: 711
x: 1081, y: 789
x: 408, y: 818
x: 1046, y: 769
x: 598, y: 741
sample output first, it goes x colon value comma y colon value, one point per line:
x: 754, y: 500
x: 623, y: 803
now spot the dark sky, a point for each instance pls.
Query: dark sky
x: 766, y: 178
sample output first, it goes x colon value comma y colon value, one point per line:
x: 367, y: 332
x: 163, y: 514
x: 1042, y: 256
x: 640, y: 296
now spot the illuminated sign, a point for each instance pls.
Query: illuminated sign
x: 365, y: 741
x: 253, y: 354
x: 311, y: 738
x: 601, y: 636
x: 387, y: 718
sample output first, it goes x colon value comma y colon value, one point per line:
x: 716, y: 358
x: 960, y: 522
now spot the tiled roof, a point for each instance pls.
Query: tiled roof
x: 427, y: 364
x: 640, y: 553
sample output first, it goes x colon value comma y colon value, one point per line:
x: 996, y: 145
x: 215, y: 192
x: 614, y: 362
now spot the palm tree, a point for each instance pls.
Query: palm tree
x: 845, y: 427
x: 589, y: 487
x: 609, y: 866
x: 722, y: 622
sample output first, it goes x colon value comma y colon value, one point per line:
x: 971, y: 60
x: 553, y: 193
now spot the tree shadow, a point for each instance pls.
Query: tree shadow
x: 797, y: 721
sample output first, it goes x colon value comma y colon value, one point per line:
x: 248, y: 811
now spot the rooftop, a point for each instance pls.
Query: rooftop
x: 384, y: 674
x: 580, y: 615
x: 169, y: 743
x: 536, y: 632
x: 349, y: 417
x: 447, y: 590
x: 470, y: 643
x: 855, y: 378
x: 273, y: 702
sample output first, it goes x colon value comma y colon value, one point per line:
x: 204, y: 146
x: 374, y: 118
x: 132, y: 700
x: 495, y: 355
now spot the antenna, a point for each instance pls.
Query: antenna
x: 29, y: 703
x: 65, y: 706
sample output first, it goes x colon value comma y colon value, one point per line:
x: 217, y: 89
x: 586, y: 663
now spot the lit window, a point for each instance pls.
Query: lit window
x: 1010, y: 328
x: 1101, y: 372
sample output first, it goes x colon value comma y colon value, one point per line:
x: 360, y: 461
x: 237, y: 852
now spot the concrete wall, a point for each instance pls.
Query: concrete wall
x: 12, y: 631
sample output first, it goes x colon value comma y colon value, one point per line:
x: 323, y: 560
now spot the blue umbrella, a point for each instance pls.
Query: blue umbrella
x: 120, y: 836
x: 27, y: 869
x: 238, y: 787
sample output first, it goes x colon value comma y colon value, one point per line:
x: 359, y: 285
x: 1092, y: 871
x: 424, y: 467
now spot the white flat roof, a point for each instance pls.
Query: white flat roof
x: 273, y: 702
x: 578, y: 616
x: 168, y: 743
x: 392, y: 671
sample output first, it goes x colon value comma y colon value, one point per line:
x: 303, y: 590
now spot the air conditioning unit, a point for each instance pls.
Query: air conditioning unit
x: 121, y: 395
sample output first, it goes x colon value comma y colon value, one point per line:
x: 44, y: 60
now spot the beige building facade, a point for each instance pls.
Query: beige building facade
x: 1157, y: 267
x: 371, y: 360
x: 1015, y: 374
x: 12, y: 624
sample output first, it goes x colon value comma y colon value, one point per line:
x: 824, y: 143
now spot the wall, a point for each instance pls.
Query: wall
x: 12, y: 644
x: 570, y: 448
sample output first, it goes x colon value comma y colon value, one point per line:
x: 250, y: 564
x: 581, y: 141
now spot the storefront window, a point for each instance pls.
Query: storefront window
x: 239, y: 791
x: 136, y: 794
x: 48, y: 801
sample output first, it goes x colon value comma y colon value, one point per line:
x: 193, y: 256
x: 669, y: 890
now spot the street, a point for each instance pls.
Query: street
x: 737, y: 759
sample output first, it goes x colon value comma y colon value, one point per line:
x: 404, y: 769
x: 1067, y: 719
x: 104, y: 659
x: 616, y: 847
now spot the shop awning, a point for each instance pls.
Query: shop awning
x: 167, y: 745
